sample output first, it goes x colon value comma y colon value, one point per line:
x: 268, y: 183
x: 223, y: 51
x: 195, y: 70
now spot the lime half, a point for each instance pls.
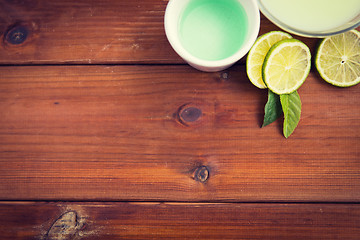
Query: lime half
x: 257, y: 53
x: 338, y: 59
x: 286, y: 66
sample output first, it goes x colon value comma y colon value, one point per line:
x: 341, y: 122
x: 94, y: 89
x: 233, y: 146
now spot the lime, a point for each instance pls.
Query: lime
x: 286, y: 66
x: 338, y: 59
x: 257, y: 53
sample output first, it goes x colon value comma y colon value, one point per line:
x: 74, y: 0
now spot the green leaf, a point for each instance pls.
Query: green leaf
x: 273, y: 108
x: 291, y: 106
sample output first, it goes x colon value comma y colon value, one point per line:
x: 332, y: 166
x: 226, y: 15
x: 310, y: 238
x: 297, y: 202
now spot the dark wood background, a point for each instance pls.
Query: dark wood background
x: 105, y: 133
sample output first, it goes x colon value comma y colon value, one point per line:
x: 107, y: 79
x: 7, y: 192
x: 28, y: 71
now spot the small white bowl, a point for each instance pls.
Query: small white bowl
x: 173, y: 13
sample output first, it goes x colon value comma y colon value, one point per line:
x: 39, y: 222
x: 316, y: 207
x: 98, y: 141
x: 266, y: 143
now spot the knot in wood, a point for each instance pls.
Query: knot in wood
x: 190, y: 114
x: 225, y: 75
x: 17, y: 34
x: 201, y: 174
x: 65, y: 227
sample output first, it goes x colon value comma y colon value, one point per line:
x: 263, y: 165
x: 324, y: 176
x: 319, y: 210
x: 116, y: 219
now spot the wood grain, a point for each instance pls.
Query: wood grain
x: 91, y: 32
x: 60, y: 221
x: 86, y: 32
x: 159, y: 132
x: 115, y: 133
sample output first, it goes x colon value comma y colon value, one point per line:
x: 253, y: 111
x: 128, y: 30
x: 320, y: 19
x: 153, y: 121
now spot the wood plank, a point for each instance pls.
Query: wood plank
x: 115, y: 133
x: 59, y: 221
x: 84, y: 32
x: 66, y: 31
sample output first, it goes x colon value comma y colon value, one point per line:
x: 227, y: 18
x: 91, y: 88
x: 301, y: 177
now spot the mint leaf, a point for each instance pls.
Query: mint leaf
x: 291, y: 106
x: 273, y: 108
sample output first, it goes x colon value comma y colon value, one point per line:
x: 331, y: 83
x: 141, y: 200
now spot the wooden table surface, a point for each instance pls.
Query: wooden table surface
x: 105, y: 133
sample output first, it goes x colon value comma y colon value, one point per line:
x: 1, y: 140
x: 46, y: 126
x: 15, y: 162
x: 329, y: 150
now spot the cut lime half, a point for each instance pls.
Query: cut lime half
x: 338, y: 59
x: 286, y: 66
x: 257, y: 53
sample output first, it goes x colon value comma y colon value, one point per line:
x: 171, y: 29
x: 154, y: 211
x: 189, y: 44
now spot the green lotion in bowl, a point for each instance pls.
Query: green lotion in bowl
x: 213, y: 29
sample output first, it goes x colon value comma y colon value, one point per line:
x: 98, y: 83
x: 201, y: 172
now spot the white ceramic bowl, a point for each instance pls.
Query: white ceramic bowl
x: 173, y: 13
